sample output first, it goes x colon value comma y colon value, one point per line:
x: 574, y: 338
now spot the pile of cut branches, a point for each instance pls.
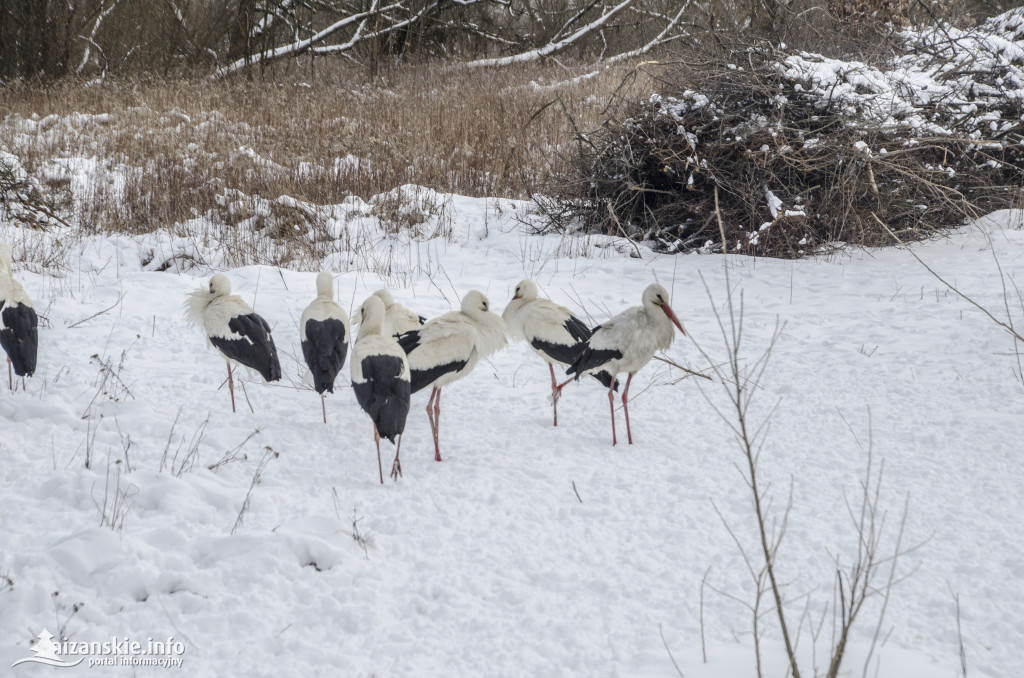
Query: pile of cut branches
x: 796, y: 151
x: 22, y: 198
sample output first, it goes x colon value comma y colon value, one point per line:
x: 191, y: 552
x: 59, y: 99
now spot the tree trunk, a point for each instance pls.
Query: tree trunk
x: 240, y: 46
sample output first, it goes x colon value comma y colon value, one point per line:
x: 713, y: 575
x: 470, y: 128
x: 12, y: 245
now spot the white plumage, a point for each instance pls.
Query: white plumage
x: 552, y: 331
x: 19, y: 324
x: 448, y: 347
x: 626, y: 343
x: 380, y: 379
x: 234, y: 329
x: 397, y: 318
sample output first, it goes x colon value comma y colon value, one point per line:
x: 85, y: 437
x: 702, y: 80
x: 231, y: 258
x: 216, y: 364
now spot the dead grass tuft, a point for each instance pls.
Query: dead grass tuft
x: 161, y: 152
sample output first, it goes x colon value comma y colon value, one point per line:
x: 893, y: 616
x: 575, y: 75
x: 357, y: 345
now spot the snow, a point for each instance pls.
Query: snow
x: 950, y: 82
x: 488, y: 563
x: 973, y: 69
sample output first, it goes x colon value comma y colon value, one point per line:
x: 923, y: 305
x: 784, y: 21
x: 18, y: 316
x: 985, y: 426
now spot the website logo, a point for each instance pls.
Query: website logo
x: 46, y: 652
x: 114, y: 652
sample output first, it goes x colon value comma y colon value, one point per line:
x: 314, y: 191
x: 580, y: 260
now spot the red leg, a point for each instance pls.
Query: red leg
x: 611, y: 404
x: 435, y: 394
x: 323, y: 406
x: 554, y: 392
x: 625, y: 407
x: 376, y: 440
x: 231, y: 387
x: 437, y: 426
x: 396, y: 466
x: 10, y: 378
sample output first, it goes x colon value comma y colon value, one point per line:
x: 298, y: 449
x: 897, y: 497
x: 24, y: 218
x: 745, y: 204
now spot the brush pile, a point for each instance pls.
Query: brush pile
x: 799, y: 151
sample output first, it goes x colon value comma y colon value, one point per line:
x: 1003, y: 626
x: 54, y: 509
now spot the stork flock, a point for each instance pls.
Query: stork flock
x: 397, y: 352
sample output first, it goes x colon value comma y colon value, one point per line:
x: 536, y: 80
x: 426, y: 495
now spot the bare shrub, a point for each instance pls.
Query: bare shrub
x: 804, y: 150
x: 117, y: 497
x: 257, y: 478
x: 108, y: 383
x: 869, y: 572
x: 24, y: 199
x: 366, y: 540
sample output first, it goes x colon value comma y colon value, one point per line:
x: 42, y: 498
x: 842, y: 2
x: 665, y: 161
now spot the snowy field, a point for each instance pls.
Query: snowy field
x: 531, y: 550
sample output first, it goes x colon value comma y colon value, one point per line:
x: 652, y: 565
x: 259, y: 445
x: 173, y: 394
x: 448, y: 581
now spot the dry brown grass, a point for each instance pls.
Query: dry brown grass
x: 175, y: 146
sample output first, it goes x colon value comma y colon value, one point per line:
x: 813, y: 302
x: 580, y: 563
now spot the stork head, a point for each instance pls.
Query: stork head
x: 371, y: 316
x: 220, y: 285
x: 526, y: 289
x: 656, y: 298
x: 385, y: 297
x: 5, y: 256
x: 201, y: 297
x: 475, y: 302
x: 325, y: 285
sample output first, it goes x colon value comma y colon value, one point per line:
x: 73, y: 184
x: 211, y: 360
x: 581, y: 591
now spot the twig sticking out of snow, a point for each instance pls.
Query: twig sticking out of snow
x: 257, y: 477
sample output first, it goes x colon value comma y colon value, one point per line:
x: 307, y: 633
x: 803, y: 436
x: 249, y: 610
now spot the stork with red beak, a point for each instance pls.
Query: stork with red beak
x: 626, y: 343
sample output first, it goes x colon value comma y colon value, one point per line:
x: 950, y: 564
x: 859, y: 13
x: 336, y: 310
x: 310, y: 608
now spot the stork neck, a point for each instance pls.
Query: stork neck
x: 372, y: 325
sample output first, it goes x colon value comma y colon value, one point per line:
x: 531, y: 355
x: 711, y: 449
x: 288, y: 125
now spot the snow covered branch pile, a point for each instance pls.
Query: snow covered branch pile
x: 806, y: 150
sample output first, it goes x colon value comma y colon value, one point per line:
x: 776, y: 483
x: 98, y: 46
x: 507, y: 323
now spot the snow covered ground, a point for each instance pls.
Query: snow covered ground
x: 489, y: 563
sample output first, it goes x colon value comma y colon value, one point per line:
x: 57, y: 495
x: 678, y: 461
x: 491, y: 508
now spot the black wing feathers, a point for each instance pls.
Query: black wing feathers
x: 325, y: 347
x: 565, y: 353
x: 424, y: 378
x: 254, y: 349
x: 558, y: 352
x: 409, y: 340
x: 591, y: 358
x: 384, y: 395
x: 606, y: 379
x: 20, y: 337
x: 577, y: 329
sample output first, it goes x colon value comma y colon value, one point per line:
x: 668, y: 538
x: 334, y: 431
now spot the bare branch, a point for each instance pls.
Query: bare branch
x: 552, y: 47
x: 661, y: 39
x: 301, y: 46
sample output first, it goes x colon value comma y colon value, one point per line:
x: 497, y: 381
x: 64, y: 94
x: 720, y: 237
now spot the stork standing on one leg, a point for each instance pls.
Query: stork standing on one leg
x: 448, y: 347
x: 325, y: 331
x: 397, y: 318
x: 552, y: 331
x: 19, y: 324
x: 626, y: 343
x: 380, y: 379
x: 234, y: 329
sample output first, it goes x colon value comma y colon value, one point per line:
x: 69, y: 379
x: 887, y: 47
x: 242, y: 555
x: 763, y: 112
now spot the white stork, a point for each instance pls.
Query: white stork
x: 19, y: 325
x: 325, y: 333
x: 448, y: 347
x: 234, y: 329
x: 397, y: 318
x: 380, y: 379
x: 626, y: 343
x: 552, y: 331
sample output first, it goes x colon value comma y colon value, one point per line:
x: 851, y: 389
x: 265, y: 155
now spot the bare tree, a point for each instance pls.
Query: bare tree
x: 855, y: 581
x: 351, y: 27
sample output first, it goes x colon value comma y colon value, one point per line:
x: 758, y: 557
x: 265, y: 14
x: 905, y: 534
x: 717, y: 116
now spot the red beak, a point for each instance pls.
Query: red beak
x: 672, y: 317
x: 515, y: 297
